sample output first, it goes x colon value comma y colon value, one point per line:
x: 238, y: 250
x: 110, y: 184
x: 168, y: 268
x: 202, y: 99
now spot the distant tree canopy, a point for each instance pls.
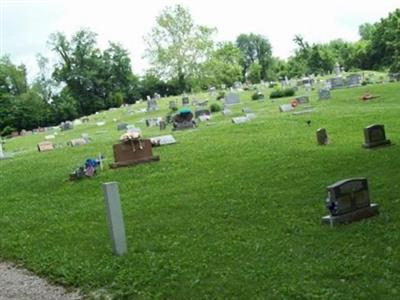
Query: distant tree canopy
x: 183, y: 56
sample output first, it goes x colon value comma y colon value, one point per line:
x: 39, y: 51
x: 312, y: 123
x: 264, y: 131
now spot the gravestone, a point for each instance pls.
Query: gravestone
x: 324, y: 94
x: 240, y: 120
x: 77, y: 142
x: 85, y: 120
x: 337, y: 82
x: 45, y: 146
x: 322, y: 137
x: 202, y: 103
x: 258, y: 96
x: 247, y: 110
x: 152, y: 105
x: 204, y: 118
x: 185, y: 100
x: 231, y: 99
x: 152, y: 122
x: 393, y: 77
x: 183, y: 120
x: 172, y: 105
x: 348, y: 201
x: 226, y: 111
x: 3, y: 154
x: 354, y: 80
x: 202, y: 112
x: 100, y: 123
x: 133, y: 152
x: 285, y: 107
x: 86, y: 137
x: 302, y: 99
x: 66, y: 126
x: 122, y: 126
x: 162, y: 140
x: 374, y: 136
x: 163, y: 125
x: 49, y: 137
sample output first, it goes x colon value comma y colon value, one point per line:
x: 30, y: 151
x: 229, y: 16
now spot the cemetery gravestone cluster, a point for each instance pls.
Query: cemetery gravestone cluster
x: 348, y: 201
x: 374, y: 136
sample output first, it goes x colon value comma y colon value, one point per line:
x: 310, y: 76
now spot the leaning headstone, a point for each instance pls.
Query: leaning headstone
x: 115, y: 218
x: 240, y: 120
x: 45, y: 146
x: 162, y: 140
x: 348, y: 201
x: 324, y: 94
x: 232, y: 98
x: 374, y: 136
x: 322, y: 137
x: 302, y: 99
x: 285, y: 107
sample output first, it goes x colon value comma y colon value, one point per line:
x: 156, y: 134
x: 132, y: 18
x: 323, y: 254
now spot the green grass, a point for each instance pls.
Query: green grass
x: 230, y: 211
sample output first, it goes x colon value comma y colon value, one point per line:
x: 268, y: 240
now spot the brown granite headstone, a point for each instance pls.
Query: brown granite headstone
x: 132, y: 152
x: 45, y: 146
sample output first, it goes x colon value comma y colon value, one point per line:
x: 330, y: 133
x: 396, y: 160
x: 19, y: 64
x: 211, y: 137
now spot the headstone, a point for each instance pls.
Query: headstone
x: 302, y: 99
x: 204, y: 118
x: 201, y: 112
x: 172, y: 105
x: 336, y: 82
x: 183, y: 120
x: 374, y: 136
x: 115, y: 218
x: 14, y: 134
x: 45, y: 146
x: 337, y: 70
x: 100, y: 123
x: 232, y: 98
x: 133, y: 129
x: 163, y: 125
x: 122, y: 126
x: 66, y: 126
x: 3, y: 154
x: 322, y: 137
x: 354, y: 80
x: 348, y: 201
x: 202, y: 103
x: 86, y: 137
x: 77, y: 122
x: 285, y: 107
x: 162, y: 140
x: 324, y: 94
x: 133, y: 152
x: 85, y: 120
x: 185, y: 100
x: 247, y: 110
x: 259, y: 96
x: 152, y: 105
x: 240, y: 120
x: 49, y: 137
x: 152, y: 122
x: 393, y: 77
x: 77, y: 142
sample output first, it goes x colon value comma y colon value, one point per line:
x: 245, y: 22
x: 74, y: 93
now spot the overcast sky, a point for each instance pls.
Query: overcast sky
x: 25, y: 25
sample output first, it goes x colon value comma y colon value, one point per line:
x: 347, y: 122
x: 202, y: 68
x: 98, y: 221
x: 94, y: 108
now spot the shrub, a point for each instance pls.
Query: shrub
x: 282, y: 93
x: 221, y: 95
x: 215, y: 107
x: 257, y: 96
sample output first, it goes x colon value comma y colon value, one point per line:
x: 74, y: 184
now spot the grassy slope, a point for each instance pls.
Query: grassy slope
x: 231, y: 211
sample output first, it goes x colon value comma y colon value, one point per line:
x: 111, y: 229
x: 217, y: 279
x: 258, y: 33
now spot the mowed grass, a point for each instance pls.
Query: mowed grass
x: 230, y: 211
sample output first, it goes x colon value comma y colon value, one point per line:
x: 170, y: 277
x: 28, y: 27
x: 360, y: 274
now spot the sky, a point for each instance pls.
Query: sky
x: 25, y: 25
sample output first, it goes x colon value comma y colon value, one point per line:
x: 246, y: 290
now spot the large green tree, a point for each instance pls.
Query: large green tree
x: 255, y: 49
x: 176, y: 47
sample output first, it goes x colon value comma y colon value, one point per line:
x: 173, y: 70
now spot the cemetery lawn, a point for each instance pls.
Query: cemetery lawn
x: 229, y: 212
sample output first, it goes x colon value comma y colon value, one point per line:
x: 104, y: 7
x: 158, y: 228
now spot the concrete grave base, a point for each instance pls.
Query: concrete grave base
x: 357, y: 215
x: 384, y: 143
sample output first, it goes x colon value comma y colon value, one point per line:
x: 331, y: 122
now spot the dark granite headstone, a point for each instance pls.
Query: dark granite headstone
x: 374, y: 136
x: 322, y: 136
x: 348, y: 201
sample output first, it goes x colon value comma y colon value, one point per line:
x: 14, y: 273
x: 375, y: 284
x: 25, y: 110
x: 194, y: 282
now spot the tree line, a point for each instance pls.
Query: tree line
x: 183, y: 57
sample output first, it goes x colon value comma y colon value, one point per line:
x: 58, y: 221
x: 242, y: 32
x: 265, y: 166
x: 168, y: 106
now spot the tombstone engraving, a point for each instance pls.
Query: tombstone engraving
x: 348, y: 201
x: 162, y: 140
x: 302, y: 99
x: 133, y: 152
x: 374, y: 136
x: 324, y: 94
x: 115, y: 218
x: 45, y: 146
x: 231, y: 99
x: 322, y: 137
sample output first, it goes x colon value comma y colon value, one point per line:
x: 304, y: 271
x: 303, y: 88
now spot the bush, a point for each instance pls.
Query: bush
x: 215, y: 107
x: 282, y: 93
x: 257, y: 96
x: 221, y: 95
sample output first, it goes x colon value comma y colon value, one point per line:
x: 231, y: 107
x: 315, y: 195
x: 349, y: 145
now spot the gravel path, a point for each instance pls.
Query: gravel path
x: 19, y: 284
